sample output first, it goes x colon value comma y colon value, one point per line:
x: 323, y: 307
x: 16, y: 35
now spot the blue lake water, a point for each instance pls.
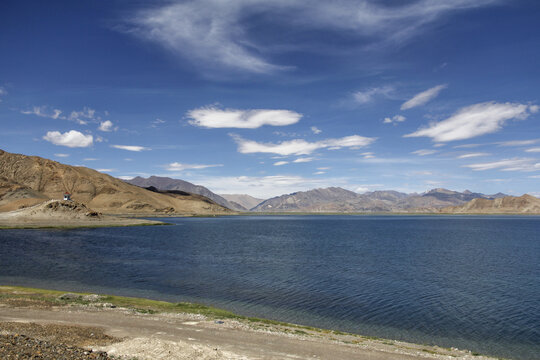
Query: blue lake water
x: 467, y: 282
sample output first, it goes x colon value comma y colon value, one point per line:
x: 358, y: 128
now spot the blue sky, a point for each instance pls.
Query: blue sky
x: 267, y: 98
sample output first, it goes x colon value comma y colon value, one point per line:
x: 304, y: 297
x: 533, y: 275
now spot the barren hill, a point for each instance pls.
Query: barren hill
x: 28, y: 180
x: 525, y: 204
x: 167, y: 183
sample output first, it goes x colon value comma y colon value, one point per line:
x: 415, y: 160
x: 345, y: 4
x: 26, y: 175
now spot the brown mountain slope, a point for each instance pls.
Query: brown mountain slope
x: 31, y: 179
x: 525, y: 204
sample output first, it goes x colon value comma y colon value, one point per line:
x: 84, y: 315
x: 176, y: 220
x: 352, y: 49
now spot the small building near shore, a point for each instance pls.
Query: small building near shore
x: 67, y: 196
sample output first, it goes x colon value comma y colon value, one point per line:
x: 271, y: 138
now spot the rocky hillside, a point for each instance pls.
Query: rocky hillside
x: 336, y: 199
x: 28, y: 180
x: 525, y: 204
x: 166, y: 183
x: 246, y: 201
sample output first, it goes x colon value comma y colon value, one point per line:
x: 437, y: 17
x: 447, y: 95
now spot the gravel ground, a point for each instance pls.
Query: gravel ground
x: 23, y: 347
x: 49, y: 341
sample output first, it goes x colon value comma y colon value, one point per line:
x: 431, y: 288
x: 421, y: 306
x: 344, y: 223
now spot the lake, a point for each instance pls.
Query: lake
x: 470, y: 282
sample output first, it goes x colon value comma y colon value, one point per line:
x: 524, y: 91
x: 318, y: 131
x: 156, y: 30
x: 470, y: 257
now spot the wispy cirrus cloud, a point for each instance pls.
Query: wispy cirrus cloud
x: 472, y: 155
x: 424, y: 152
x: 475, y: 120
x: 303, y: 160
x: 72, y: 138
x: 3, y: 92
x: 519, y: 142
x: 43, y: 111
x: 369, y: 95
x: 81, y: 117
x: 280, y: 163
x: 533, y: 150
x: 176, y: 166
x: 423, y: 97
x: 394, y: 119
x: 135, y: 148
x: 214, y: 33
x: 300, y: 146
x: 515, y: 164
x: 212, y: 117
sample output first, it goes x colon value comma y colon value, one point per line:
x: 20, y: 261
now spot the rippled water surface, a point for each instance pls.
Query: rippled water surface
x: 469, y: 282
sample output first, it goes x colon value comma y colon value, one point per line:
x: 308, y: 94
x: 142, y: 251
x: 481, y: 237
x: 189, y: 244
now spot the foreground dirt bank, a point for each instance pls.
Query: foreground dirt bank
x: 144, y: 329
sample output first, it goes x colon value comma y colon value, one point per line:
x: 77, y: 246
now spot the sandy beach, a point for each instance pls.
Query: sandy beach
x: 129, y: 328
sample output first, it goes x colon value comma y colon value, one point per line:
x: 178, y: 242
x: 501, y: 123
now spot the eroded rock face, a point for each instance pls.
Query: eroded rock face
x: 525, y: 204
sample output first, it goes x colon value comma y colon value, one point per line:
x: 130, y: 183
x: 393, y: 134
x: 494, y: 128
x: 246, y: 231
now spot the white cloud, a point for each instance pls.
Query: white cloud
x: 106, y: 170
x: 279, y: 163
x: 212, y: 117
x: 62, y: 155
x: 90, y: 159
x: 316, y: 130
x: 471, y: 155
x: 2, y: 92
x: 473, y: 120
x: 369, y: 95
x: 215, y: 33
x: 319, y: 172
x: 71, y: 138
x: 394, y: 119
x: 176, y: 166
x: 534, y: 177
x: 423, y: 97
x: 266, y: 186
x: 516, y: 164
x: 533, y: 150
x: 424, y: 152
x: 303, y: 160
x: 106, y: 125
x: 130, y: 147
x: 300, y: 146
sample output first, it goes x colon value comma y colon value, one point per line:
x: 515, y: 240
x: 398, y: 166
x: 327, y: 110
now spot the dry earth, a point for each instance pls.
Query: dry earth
x: 56, y: 213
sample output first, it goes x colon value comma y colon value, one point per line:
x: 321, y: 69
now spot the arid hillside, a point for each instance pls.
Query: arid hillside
x: 525, y: 204
x: 28, y: 180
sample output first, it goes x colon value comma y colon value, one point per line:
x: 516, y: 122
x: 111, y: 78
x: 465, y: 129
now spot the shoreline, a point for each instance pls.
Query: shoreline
x: 146, y: 327
x: 129, y: 220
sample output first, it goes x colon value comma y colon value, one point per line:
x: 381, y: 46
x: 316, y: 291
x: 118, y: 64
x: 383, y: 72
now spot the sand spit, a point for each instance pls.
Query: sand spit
x: 129, y: 328
x: 60, y: 213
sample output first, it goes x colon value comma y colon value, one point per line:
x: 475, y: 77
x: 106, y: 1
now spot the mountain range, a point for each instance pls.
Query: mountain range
x: 29, y: 180
x: 335, y: 199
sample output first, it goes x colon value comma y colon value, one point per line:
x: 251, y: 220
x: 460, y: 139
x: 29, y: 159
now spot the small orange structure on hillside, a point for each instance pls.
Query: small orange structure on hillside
x: 67, y: 196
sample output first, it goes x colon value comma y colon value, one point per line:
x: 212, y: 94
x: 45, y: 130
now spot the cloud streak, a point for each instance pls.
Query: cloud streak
x: 176, y: 166
x: 474, y: 120
x: 516, y: 164
x: 423, y: 97
x: 135, y: 148
x: 300, y: 146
